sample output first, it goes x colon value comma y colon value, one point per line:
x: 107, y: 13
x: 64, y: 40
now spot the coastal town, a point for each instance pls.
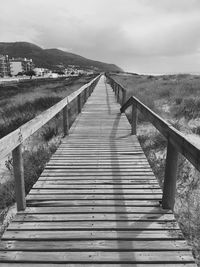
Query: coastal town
x: 13, y: 69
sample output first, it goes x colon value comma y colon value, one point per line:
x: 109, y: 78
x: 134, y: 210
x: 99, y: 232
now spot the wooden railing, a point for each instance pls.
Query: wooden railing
x: 13, y: 141
x: 176, y: 141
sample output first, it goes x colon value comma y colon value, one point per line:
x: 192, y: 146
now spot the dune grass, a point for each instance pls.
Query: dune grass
x: 181, y: 92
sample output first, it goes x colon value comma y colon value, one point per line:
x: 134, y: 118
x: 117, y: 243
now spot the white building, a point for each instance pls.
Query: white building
x: 20, y: 65
x: 41, y: 71
x: 15, y: 67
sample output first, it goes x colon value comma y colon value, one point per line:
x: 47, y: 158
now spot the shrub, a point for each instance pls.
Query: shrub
x: 178, y: 100
x: 189, y: 108
x: 196, y: 130
x: 7, y: 194
x: 49, y: 132
x: 34, y: 163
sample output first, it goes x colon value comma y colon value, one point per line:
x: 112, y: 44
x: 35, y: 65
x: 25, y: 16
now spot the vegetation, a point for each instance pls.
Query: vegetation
x: 175, y: 98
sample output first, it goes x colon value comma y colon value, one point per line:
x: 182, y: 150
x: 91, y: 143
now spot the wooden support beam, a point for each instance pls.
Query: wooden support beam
x: 123, y: 97
x: 65, y: 121
x: 118, y: 92
x: 169, y: 189
x: 79, y: 103
x: 18, y: 168
x: 85, y: 95
x: 134, y: 120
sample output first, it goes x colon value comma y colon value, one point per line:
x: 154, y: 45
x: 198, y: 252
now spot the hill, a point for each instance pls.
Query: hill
x: 52, y: 58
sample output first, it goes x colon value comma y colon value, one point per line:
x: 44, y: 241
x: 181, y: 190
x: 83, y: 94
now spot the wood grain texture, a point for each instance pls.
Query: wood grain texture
x: 97, y: 201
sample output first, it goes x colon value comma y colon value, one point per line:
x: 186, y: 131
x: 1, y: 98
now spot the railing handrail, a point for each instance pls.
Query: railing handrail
x: 177, y: 142
x: 178, y: 139
x: 17, y: 137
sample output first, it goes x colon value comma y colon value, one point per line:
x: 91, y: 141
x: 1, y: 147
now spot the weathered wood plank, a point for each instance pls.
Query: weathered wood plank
x: 43, y: 215
x: 98, y: 257
x: 63, y: 186
x: 112, y: 209
x: 96, y: 190
x: 96, y: 265
x: 47, y: 197
x: 114, y: 225
x: 95, y: 245
x: 101, y: 202
x: 84, y: 234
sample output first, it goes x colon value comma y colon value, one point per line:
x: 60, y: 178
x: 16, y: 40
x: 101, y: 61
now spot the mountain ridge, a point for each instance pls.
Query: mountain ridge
x: 53, y: 57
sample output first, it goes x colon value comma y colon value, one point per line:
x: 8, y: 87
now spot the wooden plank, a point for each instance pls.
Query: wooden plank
x: 105, y: 257
x: 43, y: 197
x: 109, y: 182
x: 43, y: 215
x: 96, y: 191
x: 49, y: 185
x: 94, y: 225
x: 101, y: 202
x: 84, y: 234
x: 21, y: 264
x: 106, y: 209
x: 95, y: 245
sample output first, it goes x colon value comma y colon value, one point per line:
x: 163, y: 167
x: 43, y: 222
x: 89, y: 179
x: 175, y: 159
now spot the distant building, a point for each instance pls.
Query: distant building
x: 27, y: 64
x: 15, y: 67
x: 53, y: 75
x: 41, y: 71
x: 20, y: 65
x: 4, y: 66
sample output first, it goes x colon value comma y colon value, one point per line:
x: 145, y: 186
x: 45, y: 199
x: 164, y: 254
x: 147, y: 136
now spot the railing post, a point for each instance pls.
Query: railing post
x: 18, y: 168
x: 169, y: 188
x: 79, y: 103
x: 85, y: 95
x: 65, y: 121
x: 134, y: 120
x: 90, y: 90
x: 123, y: 96
x: 118, y: 93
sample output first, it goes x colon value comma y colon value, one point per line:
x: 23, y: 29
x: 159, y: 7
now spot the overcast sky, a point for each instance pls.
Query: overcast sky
x: 145, y: 36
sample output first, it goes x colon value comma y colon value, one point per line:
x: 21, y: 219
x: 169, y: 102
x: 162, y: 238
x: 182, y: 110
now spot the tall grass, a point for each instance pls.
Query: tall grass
x: 16, y: 108
x: 187, y: 107
x: 180, y: 91
x: 34, y: 162
x: 16, y: 115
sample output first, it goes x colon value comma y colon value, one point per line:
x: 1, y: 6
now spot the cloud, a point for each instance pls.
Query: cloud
x: 129, y: 33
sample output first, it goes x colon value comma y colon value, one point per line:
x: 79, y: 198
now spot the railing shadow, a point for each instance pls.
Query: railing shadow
x: 107, y: 99
x: 124, y: 224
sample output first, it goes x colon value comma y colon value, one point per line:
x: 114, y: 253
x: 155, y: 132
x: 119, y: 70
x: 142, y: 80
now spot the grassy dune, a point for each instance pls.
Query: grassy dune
x: 177, y: 99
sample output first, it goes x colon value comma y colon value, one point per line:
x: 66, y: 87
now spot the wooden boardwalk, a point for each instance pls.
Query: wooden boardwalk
x: 97, y: 201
